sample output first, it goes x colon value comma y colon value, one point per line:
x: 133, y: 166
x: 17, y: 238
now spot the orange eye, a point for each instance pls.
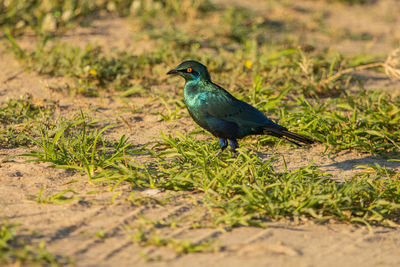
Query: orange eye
x: 189, y: 70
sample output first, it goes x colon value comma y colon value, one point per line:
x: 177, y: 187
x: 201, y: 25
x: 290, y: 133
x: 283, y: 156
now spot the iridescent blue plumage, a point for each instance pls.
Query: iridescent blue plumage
x: 220, y: 113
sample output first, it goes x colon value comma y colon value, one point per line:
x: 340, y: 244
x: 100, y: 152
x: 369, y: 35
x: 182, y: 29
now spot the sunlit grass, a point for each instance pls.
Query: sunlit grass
x: 52, y: 16
x: 146, y: 235
x: 367, y: 121
x: 241, y: 190
x: 16, y: 119
x: 77, y: 145
x: 247, y: 190
x: 247, y: 52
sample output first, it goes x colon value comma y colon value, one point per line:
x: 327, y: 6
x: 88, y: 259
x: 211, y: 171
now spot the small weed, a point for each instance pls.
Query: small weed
x: 101, y: 235
x: 172, y: 114
x: 150, y: 238
x: 16, y: 249
x: 58, y: 198
x: 16, y: 119
x: 91, y: 69
x: 74, y: 145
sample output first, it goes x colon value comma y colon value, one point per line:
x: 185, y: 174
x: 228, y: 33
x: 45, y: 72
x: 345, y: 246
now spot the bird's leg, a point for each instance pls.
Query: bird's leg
x: 223, y: 144
x: 234, y: 145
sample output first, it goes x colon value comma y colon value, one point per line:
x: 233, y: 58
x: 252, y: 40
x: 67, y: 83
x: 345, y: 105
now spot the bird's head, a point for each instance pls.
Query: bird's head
x: 191, y: 70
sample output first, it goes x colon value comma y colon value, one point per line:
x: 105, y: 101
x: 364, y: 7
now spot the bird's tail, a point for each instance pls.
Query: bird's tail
x: 289, y: 136
x: 293, y: 136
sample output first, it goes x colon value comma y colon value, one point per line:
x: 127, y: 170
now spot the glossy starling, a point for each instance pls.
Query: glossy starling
x: 223, y: 115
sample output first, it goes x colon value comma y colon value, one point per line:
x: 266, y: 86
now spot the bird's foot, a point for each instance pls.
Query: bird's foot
x: 234, y: 146
x: 223, y: 144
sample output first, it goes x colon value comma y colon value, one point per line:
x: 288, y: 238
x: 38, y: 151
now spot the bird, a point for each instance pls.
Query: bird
x: 220, y: 113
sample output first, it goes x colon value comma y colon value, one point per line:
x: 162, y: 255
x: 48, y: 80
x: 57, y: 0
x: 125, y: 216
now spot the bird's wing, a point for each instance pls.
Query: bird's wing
x: 221, y: 104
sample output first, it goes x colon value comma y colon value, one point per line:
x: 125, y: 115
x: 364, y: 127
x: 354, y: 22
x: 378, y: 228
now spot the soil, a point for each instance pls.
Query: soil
x: 71, y: 229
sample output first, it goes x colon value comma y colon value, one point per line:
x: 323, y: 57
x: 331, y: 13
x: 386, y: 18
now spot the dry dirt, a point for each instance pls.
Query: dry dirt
x: 70, y: 229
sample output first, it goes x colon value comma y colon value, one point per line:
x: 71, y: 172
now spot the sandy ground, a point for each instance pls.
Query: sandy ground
x: 70, y: 229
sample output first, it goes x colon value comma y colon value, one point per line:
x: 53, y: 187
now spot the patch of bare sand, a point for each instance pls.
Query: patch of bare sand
x: 70, y: 229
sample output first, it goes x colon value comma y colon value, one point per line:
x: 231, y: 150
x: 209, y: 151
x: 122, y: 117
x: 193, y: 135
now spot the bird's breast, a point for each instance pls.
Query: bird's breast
x: 194, y: 98
x: 197, y: 106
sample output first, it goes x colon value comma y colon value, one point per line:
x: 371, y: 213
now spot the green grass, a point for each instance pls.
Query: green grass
x: 16, y: 248
x: 247, y: 190
x: 281, y: 68
x: 148, y: 237
x: 76, y: 144
x: 50, y: 17
x: 91, y: 69
x: 242, y: 190
x: 249, y: 50
x: 147, y: 234
x: 43, y: 17
x: 16, y: 119
x: 58, y: 198
x: 367, y: 121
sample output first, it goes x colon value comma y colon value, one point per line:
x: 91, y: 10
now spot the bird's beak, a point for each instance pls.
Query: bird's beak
x: 173, y: 71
